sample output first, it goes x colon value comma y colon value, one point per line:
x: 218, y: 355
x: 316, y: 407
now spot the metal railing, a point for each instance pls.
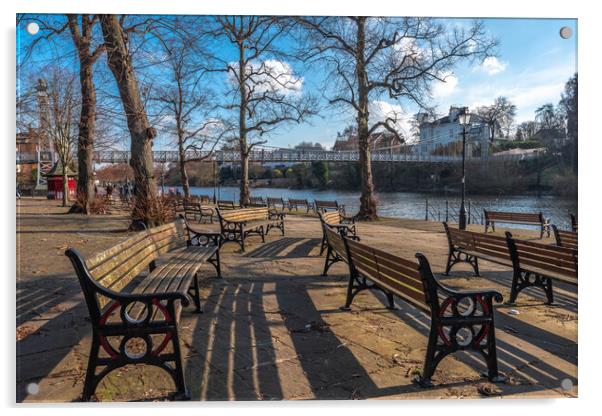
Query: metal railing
x: 271, y: 155
x: 449, y: 211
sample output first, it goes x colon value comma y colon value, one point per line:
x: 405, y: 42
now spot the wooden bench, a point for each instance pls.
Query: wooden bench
x: 296, y: 203
x: 491, y: 217
x: 537, y: 264
x: 237, y: 224
x: 225, y: 204
x: 130, y: 309
x: 336, y: 220
x: 257, y: 201
x: 460, y: 320
x: 204, y: 199
x: 193, y: 210
x: 565, y: 238
x: 469, y: 246
x: 328, y: 205
x: 273, y: 203
x: 573, y: 223
x: 334, y: 242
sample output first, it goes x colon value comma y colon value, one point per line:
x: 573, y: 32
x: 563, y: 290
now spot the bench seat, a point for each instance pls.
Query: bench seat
x: 469, y: 247
x: 136, y: 290
x: 460, y: 319
x: 491, y: 217
x: 237, y: 224
x: 538, y: 265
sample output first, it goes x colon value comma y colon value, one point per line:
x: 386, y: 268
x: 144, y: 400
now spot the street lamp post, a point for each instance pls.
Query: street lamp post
x: 464, y: 119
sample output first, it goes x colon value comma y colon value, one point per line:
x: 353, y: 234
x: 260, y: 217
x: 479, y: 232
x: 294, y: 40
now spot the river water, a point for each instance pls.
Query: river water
x: 413, y: 204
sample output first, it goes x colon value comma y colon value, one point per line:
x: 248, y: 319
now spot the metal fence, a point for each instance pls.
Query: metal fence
x: 450, y: 211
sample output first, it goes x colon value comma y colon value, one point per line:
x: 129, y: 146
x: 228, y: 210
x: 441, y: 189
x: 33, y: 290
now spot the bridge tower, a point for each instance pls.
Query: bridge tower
x: 45, y: 149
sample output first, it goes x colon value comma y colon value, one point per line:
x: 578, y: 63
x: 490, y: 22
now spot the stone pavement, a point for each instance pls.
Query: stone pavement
x: 271, y: 328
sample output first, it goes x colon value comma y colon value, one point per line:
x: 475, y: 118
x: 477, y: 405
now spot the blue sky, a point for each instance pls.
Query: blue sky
x: 532, y: 66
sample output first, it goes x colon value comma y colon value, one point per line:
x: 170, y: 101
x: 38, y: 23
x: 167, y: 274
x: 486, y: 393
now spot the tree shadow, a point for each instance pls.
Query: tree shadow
x: 273, y: 248
x: 93, y: 231
x: 533, y: 371
x: 234, y: 355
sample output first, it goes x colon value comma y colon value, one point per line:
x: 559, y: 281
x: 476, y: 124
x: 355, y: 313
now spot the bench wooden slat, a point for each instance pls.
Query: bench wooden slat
x: 398, y: 275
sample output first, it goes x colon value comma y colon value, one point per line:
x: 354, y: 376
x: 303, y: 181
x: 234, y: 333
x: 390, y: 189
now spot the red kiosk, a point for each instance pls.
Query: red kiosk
x: 54, y: 179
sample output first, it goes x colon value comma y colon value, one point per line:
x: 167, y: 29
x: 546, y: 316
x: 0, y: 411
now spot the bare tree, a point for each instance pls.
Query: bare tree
x: 81, y: 28
x: 64, y: 104
x: 526, y: 130
x: 55, y: 30
x: 499, y: 116
x: 374, y: 58
x: 569, y: 105
x: 264, y: 91
x: 141, y: 132
x: 549, y: 117
x: 186, y: 101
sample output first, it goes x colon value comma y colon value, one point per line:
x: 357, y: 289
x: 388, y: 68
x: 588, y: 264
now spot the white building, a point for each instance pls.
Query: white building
x: 436, y: 136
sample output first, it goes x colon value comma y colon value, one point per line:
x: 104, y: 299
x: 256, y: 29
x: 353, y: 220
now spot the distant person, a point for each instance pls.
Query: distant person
x: 95, y: 190
x: 18, y: 193
x: 109, y: 190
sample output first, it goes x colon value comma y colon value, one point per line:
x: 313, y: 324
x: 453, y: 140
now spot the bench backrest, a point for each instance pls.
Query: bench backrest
x: 273, y: 202
x: 117, y: 266
x: 392, y: 273
x: 330, y: 217
x: 536, y: 218
x: 565, y: 238
x: 243, y: 214
x: 204, y: 199
x: 257, y: 201
x: 538, y: 257
x: 487, y: 244
x: 335, y: 241
x: 324, y: 205
x: 296, y: 202
x: 224, y: 204
x: 191, y: 207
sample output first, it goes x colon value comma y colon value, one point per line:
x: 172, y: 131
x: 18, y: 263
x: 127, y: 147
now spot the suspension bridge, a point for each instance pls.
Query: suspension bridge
x: 277, y: 155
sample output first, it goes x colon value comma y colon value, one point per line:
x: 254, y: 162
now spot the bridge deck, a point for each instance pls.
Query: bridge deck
x: 263, y: 155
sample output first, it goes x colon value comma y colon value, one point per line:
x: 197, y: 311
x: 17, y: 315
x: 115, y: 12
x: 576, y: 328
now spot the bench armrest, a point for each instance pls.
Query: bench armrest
x: 274, y: 214
x: 203, y: 238
x: 347, y: 220
x: 484, y: 293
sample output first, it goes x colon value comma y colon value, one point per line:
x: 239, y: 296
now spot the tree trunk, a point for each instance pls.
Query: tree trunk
x: 87, y: 120
x: 65, y: 186
x: 368, y: 206
x: 85, y: 142
x: 245, y: 199
x: 141, y: 132
x: 183, y: 173
x: 242, y: 124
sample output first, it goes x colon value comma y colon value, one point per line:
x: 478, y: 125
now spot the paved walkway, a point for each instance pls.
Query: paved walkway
x: 272, y: 328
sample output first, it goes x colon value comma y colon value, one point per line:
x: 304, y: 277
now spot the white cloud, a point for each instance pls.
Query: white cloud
x: 381, y: 110
x: 493, y: 66
x: 446, y: 88
x: 271, y: 75
x: 407, y: 46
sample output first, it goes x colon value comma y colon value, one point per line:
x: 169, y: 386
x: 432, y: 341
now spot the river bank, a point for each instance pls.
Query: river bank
x: 412, y: 205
